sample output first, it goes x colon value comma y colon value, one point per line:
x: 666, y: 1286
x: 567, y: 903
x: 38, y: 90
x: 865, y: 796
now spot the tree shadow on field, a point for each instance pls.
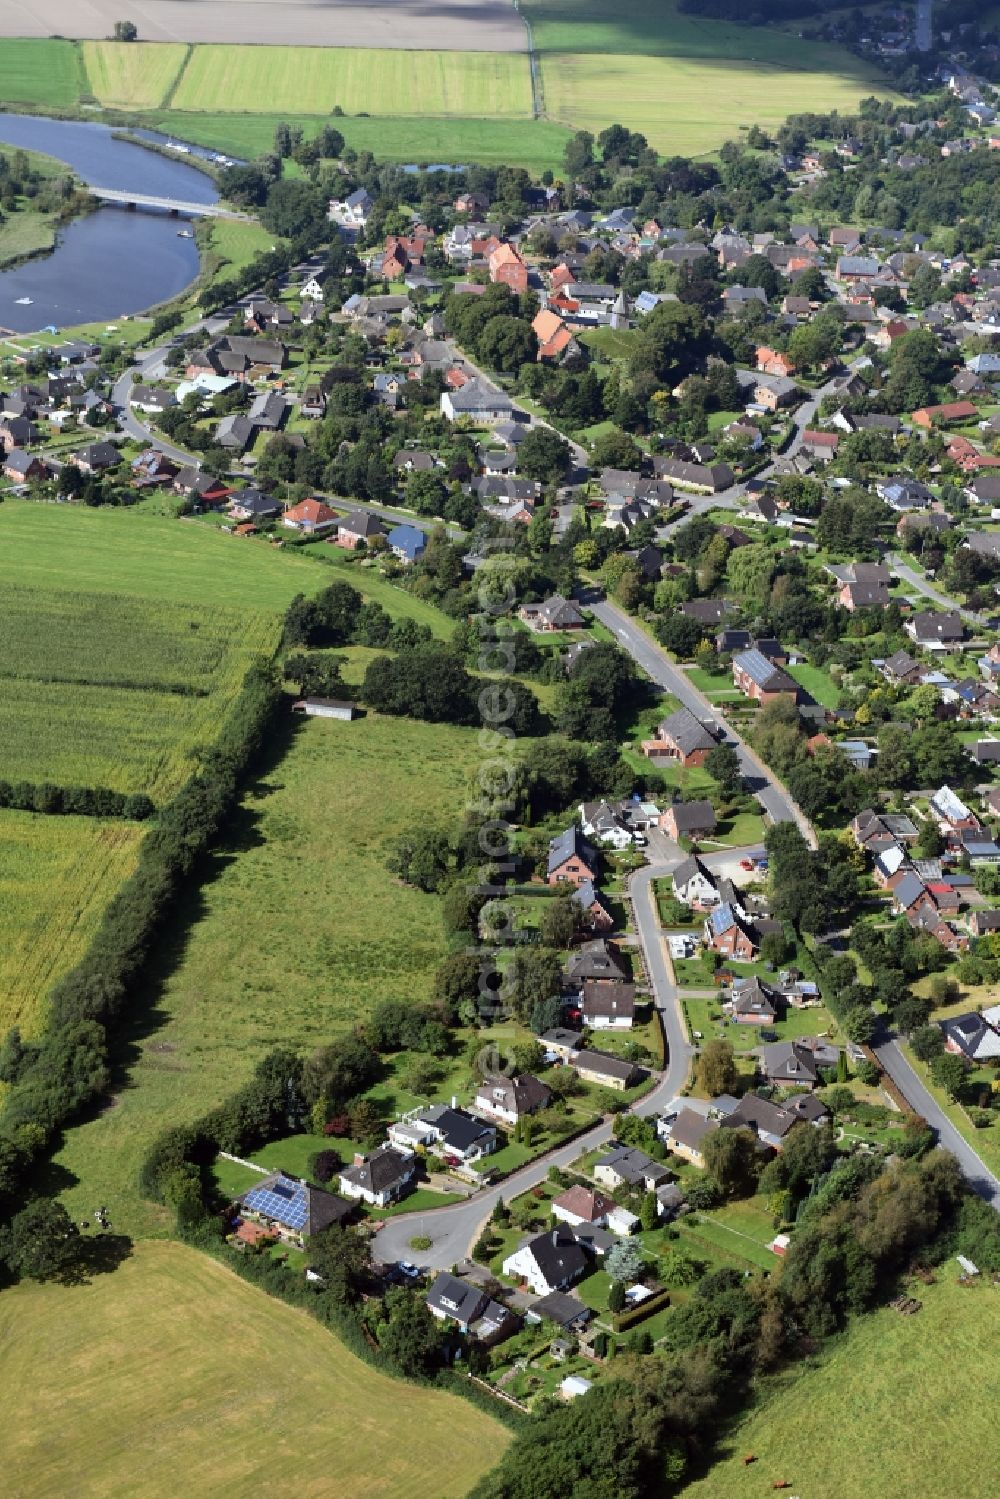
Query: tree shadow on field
x: 146, y: 1013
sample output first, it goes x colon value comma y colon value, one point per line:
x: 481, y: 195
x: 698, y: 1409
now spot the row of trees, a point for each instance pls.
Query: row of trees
x: 51, y: 1081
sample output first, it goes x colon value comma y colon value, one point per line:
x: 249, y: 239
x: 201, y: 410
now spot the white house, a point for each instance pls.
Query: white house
x: 312, y: 290
x: 477, y: 400
x: 552, y: 1261
x: 693, y: 883
x: 379, y: 1178
x: 509, y: 1099
x: 446, y: 1131
x: 354, y: 210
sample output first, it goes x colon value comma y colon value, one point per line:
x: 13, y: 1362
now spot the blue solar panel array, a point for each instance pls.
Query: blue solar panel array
x: 284, y: 1200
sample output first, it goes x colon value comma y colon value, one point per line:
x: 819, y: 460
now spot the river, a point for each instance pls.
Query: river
x: 111, y: 262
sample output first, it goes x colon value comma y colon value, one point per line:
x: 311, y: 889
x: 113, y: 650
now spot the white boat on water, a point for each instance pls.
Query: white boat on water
x: 24, y: 302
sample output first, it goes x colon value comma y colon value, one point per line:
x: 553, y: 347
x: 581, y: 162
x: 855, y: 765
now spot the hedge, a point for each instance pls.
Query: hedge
x: 639, y: 1313
x: 68, y: 1070
x: 79, y: 801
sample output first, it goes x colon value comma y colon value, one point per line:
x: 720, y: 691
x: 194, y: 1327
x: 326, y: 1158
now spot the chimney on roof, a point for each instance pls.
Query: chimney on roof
x: 359, y: 1159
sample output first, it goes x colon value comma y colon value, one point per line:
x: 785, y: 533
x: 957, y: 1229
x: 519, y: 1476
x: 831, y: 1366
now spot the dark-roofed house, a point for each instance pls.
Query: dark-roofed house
x: 555, y: 613
x: 755, y: 1003
x: 760, y: 679
x: 688, y: 1133
x: 360, y: 526
x: 729, y: 932
x: 21, y: 467
x: 694, y: 884
x: 552, y: 1261
x: 97, y: 458
x: 471, y: 1309
x: 295, y: 1208
x: 608, y: 1006
x: 689, y: 819
x: 972, y: 1036
x: 566, y: 1311
x: 509, y: 1099
x: 572, y: 859
x: 770, y: 1122
x: 605, y: 1070
x: 596, y: 962
x: 681, y: 737
x: 942, y: 631
x: 449, y: 1132
x: 381, y: 1177
x: 594, y: 908
x: 793, y: 1064
x: 625, y: 1166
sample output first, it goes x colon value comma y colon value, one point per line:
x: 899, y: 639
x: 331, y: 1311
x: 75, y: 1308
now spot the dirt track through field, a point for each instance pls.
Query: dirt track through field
x: 419, y: 25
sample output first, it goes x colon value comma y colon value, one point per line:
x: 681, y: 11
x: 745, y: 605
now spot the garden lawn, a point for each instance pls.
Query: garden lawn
x: 132, y: 75
x: 234, y: 244
x: 314, y: 80
x: 533, y: 144
x: 817, y: 683
x: 56, y: 876
x: 297, y: 932
x: 928, y: 1377
x: 248, y: 1395
x: 39, y: 71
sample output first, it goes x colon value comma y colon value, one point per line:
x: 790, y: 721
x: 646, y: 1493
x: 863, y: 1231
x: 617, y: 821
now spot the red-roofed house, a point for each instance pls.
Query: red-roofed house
x: 950, y: 411
x: 310, y: 517
x: 770, y: 362
x: 554, y: 338
x: 507, y: 267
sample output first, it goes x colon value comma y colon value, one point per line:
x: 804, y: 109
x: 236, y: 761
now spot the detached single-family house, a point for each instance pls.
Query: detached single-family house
x: 310, y: 518
x: 687, y: 1136
x: 694, y: 884
x: 608, y: 1007
x: 508, y: 1099
x: 381, y: 1177
x: 936, y: 632
x: 596, y: 962
x: 358, y: 528
x: 796, y: 1064
x: 689, y: 819
x: 729, y: 932
x: 471, y: 1310
x: 295, y: 1209
x: 452, y: 1133
x: 408, y: 543
x: 755, y: 1003
x: 21, y: 467
x: 973, y: 1036
x: 555, y: 613
x: 478, y: 401
x: 552, y: 1261
x: 681, y: 737
x: 572, y: 860
x: 624, y: 1166
x: 760, y: 679
x: 97, y: 458
x: 605, y: 1070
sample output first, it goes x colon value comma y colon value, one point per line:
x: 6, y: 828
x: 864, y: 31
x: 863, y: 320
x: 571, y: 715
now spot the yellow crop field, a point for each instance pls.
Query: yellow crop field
x: 173, y: 1376
x: 132, y: 75
x: 302, y: 80
x: 57, y: 874
x: 685, y: 106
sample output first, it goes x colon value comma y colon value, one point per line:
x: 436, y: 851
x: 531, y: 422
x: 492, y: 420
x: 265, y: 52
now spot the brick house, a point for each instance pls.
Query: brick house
x: 572, y: 860
x: 760, y: 679
x: 729, y: 932
x: 771, y: 362
x: 689, y: 820
x: 681, y: 737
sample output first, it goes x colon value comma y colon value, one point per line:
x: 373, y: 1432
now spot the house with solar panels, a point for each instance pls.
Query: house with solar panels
x: 294, y: 1210
x: 729, y: 932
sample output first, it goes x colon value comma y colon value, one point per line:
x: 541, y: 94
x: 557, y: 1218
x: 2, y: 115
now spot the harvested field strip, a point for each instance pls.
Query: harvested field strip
x: 112, y: 640
x: 315, y: 80
x: 174, y: 1366
x: 57, y: 874
x: 131, y: 75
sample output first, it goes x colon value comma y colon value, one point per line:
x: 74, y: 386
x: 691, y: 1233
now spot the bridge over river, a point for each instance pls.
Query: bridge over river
x: 172, y: 206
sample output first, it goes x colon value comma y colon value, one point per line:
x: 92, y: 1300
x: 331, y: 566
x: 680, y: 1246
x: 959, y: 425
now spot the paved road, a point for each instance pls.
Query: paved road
x: 151, y: 366
x: 454, y: 1230
x: 913, y: 580
x: 655, y: 662
x: 909, y: 1084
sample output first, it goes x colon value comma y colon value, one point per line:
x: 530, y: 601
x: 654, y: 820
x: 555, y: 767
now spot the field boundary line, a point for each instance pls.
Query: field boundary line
x: 172, y: 88
x: 534, y: 67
